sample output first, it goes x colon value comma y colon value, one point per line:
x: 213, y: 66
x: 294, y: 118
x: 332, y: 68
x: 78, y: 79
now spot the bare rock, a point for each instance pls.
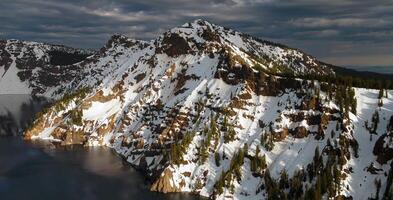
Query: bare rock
x: 165, y: 183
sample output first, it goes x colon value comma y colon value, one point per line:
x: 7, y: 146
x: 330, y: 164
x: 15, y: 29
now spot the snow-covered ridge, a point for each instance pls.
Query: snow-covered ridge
x: 270, y: 56
x: 203, y: 109
x: 33, y: 68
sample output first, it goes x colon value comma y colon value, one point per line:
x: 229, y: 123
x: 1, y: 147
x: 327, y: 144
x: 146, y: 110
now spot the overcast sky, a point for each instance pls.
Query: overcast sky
x: 341, y: 32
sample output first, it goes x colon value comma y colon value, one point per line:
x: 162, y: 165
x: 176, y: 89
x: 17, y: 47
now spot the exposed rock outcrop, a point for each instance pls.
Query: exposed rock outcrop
x: 165, y: 183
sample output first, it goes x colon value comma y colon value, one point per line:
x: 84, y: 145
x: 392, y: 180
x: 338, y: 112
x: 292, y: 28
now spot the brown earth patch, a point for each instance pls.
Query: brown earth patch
x: 140, y: 77
x: 279, y: 136
x: 299, y: 132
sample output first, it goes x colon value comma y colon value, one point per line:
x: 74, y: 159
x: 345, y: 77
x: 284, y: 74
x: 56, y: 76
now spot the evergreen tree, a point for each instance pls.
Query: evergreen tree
x: 225, y: 123
x: 272, y: 189
x: 256, y: 161
x: 284, y: 183
x: 241, y: 156
x: 203, y: 154
x: 388, y: 190
x: 229, y: 135
x: 380, y: 102
x: 217, y: 158
x: 378, y: 184
x: 220, y: 184
x: 254, y: 165
x: 257, y: 151
x: 310, y: 194
x: 375, y: 122
x: 318, y: 188
x: 337, y: 177
x: 352, y: 99
x: 317, y: 157
x: 380, y: 94
x: 263, y: 162
x: 296, y: 185
x: 245, y: 149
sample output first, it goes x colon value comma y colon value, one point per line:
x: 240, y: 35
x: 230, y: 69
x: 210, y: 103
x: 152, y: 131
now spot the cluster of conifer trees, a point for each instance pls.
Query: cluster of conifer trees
x: 179, y: 148
x: 257, y: 165
x: 267, y: 139
x: 317, y: 180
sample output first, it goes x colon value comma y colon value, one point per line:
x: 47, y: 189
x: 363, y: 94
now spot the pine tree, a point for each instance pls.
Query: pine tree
x: 176, y: 155
x: 328, y: 142
x: 352, y: 100
x: 337, y: 177
x: 263, y: 162
x: 245, y: 149
x: 377, y: 183
x: 267, y: 139
x: 380, y: 102
x: 318, y: 188
x: 380, y: 94
x: 316, y: 158
x: 310, y: 194
x: 388, y: 190
x: 229, y: 135
x: 272, y: 188
x: 203, y: 154
x: 284, y: 183
x: 346, y: 109
x: 225, y: 123
x: 220, y: 184
x: 332, y: 134
x: 256, y: 161
x: 254, y: 165
x: 296, y: 185
x: 241, y: 157
x: 375, y: 122
x: 217, y: 158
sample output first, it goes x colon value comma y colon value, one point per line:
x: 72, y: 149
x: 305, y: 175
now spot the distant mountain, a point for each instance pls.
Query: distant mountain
x: 376, y: 69
x: 209, y: 110
x: 35, y: 68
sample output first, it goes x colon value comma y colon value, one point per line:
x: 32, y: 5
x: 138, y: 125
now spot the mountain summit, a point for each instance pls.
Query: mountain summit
x: 212, y: 111
x: 198, y: 40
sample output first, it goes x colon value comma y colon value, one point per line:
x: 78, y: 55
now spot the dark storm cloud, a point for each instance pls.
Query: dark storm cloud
x: 343, y: 32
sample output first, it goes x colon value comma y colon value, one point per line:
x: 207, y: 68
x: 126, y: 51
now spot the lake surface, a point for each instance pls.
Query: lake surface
x: 17, y: 112
x: 38, y: 170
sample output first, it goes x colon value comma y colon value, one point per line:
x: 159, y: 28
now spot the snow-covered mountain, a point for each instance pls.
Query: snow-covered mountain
x: 212, y: 111
x: 35, y: 68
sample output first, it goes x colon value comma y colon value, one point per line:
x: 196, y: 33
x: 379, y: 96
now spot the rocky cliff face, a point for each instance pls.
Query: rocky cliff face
x: 209, y: 110
x: 36, y: 68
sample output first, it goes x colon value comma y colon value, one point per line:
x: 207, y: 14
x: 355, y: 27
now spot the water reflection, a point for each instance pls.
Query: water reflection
x: 17, y: 111
x: 37, y: 171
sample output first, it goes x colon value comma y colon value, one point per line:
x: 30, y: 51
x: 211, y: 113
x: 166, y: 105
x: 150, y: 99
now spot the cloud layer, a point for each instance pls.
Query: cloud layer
x: 342, y: 32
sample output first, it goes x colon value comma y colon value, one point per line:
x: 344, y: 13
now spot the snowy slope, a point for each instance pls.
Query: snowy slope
x: 33, y: 68
x: 199, y: 106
